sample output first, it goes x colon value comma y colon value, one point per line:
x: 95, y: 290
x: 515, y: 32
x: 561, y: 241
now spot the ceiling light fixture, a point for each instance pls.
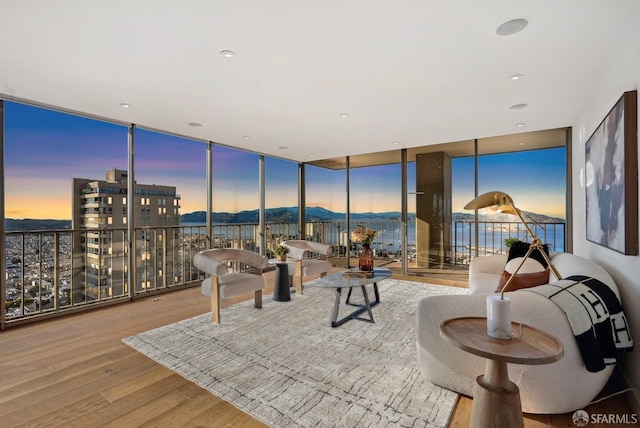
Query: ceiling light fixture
x: 195, y: 124
x: 516, y: 76
x: 246, y: 137
x: 227, y: 54
x: 283, y: 147
x: 125, y: 105
x: 344, y: 115
x: 512, y: 27
x: 519, y: 106
x: 520, y: 125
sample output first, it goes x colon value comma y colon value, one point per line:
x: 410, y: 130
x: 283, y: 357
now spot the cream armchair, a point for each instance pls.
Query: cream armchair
x: 559, y: 387
x: 223, y: 284
x: 301, y: 253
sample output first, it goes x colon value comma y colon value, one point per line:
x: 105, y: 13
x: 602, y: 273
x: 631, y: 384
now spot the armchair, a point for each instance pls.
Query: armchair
x: 223, y: 284
x: 560, y: 387
x: 300, y: 252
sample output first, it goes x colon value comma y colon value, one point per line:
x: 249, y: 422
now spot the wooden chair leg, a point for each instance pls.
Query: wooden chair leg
x: 297, y: 283
x: 215, y: 300
x: 297, y: 279
x: 258, y: 298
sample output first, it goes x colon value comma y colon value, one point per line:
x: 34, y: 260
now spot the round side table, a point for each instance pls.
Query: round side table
x: 496, y: 402
x: 281, y: 291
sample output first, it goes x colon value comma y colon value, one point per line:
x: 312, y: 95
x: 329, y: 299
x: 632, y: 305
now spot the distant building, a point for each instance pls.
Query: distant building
x: 99, y: 267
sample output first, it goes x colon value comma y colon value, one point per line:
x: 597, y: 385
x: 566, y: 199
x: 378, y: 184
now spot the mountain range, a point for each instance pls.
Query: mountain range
x: 282, y: 215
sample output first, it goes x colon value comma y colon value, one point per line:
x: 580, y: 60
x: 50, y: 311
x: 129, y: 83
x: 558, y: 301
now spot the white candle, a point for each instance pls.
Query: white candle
x: 498, y: 317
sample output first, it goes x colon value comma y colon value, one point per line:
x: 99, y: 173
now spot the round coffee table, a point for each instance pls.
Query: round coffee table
x: 496, y: 402
x: 351, y: 278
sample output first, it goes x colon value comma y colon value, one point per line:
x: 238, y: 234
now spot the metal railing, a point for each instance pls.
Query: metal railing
x: 58, y: 271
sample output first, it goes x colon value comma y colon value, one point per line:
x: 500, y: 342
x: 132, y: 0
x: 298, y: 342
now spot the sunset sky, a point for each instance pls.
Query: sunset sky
x: 45, y: 150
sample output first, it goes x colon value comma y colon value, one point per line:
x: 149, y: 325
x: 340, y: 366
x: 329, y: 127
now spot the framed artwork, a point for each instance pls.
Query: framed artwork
x: 611, y: 178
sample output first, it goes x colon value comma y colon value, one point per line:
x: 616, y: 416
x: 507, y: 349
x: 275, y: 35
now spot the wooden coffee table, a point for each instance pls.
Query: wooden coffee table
x: 496, y: 402
x: 342, y: 279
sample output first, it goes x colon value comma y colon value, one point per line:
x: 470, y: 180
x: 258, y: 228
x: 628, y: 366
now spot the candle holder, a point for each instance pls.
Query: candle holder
x: 499, y: 317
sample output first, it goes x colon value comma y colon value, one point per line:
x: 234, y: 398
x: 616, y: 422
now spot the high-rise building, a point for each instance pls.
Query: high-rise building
x: 100, y: 265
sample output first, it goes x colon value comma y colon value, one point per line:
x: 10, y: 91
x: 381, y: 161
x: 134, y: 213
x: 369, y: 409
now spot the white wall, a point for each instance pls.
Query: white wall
x: 620, y: 73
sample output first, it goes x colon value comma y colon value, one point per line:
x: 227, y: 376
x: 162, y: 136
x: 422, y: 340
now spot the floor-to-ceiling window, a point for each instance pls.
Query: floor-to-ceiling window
x: 236, y: 198
x: 170, y: 175
x: 536, y: 181
x: 281, y: 201
x: 55, y: 179
x: 326, y: 206
x: 375, y: 202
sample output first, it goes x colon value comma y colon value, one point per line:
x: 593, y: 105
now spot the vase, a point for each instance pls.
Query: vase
x: 365, y: 261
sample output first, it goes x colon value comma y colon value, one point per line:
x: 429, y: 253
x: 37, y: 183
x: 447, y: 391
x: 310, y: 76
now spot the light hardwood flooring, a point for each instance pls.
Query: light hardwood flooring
x: 74, y: 371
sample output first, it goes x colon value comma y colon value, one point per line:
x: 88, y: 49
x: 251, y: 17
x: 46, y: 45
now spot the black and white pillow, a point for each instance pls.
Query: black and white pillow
x: 534, y: 271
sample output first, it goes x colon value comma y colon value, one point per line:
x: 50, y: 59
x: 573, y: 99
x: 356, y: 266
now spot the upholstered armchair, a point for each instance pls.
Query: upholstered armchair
x: 560, y: 387
x: 223, y: 284
x: 302, y: 253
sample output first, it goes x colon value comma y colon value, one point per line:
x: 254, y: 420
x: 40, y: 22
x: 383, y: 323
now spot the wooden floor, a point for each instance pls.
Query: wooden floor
x: 75, y: 372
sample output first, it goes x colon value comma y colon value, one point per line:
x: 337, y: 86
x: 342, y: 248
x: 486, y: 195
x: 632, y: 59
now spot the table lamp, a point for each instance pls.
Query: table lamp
x: 499, y: 310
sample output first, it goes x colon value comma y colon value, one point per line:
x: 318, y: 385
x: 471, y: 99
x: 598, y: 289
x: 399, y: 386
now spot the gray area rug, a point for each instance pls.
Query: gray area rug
x: 286, y: 366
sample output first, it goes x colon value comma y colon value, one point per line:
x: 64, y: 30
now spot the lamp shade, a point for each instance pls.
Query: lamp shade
x: 489, y: 199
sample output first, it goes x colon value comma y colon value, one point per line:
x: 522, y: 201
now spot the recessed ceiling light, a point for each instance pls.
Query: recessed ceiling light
x: 344, y: 115
x: 512, y: 27
x: 194, y: 124
x: 227, y: 54
x: 520, y: 125
x: 125, y: 105
x: 310, y: 156
x: 519, y: 106
x: 283, y: 147
x: 246, y: 137
x: 395, y: 143
x: 516, y: 76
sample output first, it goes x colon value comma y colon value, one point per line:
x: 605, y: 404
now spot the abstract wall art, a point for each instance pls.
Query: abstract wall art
x: 611, y: 178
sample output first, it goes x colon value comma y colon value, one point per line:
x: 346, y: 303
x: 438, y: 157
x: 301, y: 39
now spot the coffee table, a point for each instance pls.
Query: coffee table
x: 348, y: 279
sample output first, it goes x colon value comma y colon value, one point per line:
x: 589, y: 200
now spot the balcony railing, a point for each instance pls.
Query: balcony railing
x: 59, y: 271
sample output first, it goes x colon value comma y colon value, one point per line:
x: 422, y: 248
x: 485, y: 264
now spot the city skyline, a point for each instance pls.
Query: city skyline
x: 45, y: 150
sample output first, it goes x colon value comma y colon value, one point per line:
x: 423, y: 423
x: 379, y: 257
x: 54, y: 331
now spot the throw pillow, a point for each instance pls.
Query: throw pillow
x: 534, y: 271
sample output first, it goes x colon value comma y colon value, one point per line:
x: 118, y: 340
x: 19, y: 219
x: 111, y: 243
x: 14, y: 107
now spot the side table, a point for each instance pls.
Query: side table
x: 281, y: 291
x: 496, y: 402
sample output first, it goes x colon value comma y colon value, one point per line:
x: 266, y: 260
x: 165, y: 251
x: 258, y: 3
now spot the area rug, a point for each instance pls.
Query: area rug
x: 285, y: 365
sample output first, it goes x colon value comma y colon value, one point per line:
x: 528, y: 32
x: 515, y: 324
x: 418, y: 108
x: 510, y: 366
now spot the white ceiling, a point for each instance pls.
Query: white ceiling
x: 412, y: 73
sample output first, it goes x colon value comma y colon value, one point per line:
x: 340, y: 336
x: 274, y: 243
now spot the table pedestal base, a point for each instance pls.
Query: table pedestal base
x: 496, y: 402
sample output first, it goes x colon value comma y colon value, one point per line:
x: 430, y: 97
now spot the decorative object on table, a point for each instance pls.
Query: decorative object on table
x: 499, y: 317
x: 365, y: 237
x: 358, y: 274
x: 281, y: 252
x: 611, y: 178
x: 498, y: 320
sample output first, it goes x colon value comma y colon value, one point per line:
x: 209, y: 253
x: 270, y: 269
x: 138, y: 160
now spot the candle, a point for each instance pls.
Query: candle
x: 498, y: 317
